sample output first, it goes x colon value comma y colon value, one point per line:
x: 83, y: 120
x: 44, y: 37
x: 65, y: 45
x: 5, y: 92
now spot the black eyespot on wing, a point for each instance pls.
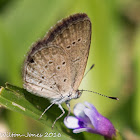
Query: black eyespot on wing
x: 73, y: 42
x: 31, y: 60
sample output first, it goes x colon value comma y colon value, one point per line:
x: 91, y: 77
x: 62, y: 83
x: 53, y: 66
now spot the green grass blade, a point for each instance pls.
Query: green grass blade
x: 19, y: 100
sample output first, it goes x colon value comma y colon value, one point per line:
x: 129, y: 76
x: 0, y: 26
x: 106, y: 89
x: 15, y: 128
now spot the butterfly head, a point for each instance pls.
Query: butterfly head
x: 78, y: 94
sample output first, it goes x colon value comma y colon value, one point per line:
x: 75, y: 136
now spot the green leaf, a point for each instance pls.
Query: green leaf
x: 19, y: 100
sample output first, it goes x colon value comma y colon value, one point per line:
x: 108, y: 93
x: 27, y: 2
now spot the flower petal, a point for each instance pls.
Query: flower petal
x: 80, y: 114
x: 92, y: 107
x: 80, y: 130
x: 87, y: 118
x: 92, y: 113
x: 71, y: 122
x: 79, y: 110
x: 102, y: 125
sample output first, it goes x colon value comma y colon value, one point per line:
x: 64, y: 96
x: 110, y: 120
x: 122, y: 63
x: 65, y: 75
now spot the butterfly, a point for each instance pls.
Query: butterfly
x: 55, y: 65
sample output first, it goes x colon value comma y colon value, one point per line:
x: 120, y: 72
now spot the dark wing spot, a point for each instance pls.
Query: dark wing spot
x: 50, y: 62
x: 68, y: 47
x: 31, y: 60
x: 63, y: 63
x: 39, y: 82
x: 79, y: 40
x: 58, y: 67
x: 73, y: 42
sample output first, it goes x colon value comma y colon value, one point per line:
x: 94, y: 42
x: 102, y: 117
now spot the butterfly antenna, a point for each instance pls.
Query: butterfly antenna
x: 114, y: 98
x: 89, y: 70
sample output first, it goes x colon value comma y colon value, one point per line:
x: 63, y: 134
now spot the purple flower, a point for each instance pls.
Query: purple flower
x: 87, y: 118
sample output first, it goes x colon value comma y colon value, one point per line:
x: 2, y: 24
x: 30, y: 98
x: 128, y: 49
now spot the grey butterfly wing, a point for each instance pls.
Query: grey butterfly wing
x: 74, y: 37
x: 56, y: 64
x: 45, y: 71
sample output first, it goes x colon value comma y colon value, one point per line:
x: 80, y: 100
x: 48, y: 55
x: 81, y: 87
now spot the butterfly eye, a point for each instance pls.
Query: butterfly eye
x: 78, y: 94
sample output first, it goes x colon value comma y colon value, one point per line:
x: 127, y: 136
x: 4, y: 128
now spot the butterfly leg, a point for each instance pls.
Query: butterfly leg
x: 63, y: 112
x: 46, y: 110
x: 69, y: 110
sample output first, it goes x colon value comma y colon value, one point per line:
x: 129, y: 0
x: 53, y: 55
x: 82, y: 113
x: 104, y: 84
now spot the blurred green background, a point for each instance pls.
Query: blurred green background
x: 115, y: 51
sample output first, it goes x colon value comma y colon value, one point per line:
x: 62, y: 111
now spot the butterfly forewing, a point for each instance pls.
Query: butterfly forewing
x: 75, y: 39
x: 56, y: 64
